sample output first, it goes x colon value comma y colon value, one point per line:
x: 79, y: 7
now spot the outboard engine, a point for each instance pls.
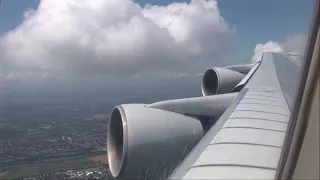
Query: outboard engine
x: 219, y: 81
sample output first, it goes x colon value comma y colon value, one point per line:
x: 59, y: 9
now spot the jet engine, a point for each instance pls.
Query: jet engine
x: 219, y: 81
x: 149, y: 141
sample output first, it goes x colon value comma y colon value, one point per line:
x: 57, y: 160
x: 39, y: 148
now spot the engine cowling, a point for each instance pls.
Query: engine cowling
x: 243, y: 68
x: 219, y: 81
x: 210, y: 106
x: 148, y: 143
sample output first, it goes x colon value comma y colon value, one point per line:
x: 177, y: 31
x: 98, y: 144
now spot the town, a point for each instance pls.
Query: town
x: 52, y: 148
x: 42, y: 140
x: 92, y: 173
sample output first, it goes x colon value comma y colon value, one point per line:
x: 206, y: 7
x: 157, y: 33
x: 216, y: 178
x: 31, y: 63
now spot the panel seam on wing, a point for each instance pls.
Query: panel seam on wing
x: 276, y: 100
x: 258, y: 119
x: 245, y: 143
x: 233, y: 165
x: 244, y: 103
x: 261, y: 112
x: 265, y: 129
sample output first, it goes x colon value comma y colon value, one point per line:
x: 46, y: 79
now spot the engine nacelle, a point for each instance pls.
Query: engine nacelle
x: 243, y: 68
x: 219, y: 81
x: 147, y: 142
x: 209, y: 107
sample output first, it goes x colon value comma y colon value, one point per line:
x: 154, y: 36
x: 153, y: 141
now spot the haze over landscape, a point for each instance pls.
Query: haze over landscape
x: 64, y: 62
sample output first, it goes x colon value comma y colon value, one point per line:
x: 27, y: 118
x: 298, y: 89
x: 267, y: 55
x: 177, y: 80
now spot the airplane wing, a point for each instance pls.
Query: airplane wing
x: 235, y: 131
x: 238, y: 129
x: 247, y: 140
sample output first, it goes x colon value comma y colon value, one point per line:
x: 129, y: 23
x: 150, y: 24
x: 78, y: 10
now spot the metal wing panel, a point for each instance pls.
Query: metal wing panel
x: 242, y: 155
x: 250, y: 136
x: 256, y: 123
x: 248, y: 145
x: 263, y: 101
x: 264, y: 93
x: 260, y: 116
x: 223, y: 172
x: 263, y: 108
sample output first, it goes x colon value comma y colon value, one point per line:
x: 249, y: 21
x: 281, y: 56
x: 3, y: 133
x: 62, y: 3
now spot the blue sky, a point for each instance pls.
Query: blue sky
x: 255, y: 21
x: 263, y: 20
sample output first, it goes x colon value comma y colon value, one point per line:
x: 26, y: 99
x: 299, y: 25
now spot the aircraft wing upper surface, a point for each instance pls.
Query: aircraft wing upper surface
x: 235, y: 131
x: 247, y: 140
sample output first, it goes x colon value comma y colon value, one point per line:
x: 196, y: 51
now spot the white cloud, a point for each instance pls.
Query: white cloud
x: 294, y: 44
x: 113, y: 37
x: 184, y: 75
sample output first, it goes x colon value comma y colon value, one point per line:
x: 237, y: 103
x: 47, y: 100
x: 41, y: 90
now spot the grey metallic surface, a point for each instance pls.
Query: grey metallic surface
x: 184, y: 167
x: 244, y: 81
x: 211, y: 106
x: 147, y: 143
x: 247, y: 142
x: 288, y: 74
x: 296, y: 59
x: 263, y: 157
x: 223, y: 172
x: 243, y: 69
x: 219, y: 81
x: 256, y: 123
